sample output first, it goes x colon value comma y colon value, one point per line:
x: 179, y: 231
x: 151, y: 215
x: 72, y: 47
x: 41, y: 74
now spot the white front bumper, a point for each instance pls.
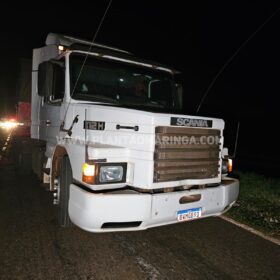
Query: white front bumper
x: 90, y: 211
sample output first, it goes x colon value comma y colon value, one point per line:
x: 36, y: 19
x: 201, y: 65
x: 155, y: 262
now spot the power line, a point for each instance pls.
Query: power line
x: 86, y: 57
x: 91, y: 45
x: 232, y: 57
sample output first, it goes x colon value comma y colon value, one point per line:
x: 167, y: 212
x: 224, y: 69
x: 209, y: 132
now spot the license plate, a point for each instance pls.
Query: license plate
x: 190, y: 214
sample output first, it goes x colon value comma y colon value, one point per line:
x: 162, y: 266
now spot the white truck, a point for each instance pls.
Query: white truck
x: 114, y: 148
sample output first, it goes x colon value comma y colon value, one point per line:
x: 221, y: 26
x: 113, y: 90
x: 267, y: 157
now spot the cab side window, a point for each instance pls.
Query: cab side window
x: 58, y: 83
x: 51, y: 81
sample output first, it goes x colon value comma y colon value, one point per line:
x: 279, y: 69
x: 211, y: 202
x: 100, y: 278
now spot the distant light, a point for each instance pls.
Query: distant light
x: 9, y: 124
x: 12, y: 120
x: 121, y: 79
x: 61, y: 48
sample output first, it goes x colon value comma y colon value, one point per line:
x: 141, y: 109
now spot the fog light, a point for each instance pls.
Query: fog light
x: 110, y: 174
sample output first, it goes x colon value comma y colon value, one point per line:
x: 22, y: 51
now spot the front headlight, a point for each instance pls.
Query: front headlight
x: 226, y: 166
x: 95, y: 173
x: 109, y: 174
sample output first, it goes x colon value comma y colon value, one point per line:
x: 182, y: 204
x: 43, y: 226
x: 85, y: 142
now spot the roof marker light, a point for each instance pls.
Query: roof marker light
x: 61, y: 48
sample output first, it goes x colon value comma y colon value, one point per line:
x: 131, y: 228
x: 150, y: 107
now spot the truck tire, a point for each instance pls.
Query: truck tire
x: 64, y: 181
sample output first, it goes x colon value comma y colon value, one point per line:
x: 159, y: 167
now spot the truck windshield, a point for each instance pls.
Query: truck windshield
x: 122, y: 84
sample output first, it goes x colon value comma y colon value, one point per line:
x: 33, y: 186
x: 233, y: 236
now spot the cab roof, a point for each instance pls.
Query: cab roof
x: 73, y: 43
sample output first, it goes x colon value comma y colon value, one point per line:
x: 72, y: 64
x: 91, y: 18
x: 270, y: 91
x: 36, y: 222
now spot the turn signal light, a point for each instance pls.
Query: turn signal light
x: 229, y: 165
x: 88, y: 173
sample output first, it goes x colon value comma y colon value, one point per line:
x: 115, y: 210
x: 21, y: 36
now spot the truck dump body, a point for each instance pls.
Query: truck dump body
x: 23, y: 106
x: 24, y: 112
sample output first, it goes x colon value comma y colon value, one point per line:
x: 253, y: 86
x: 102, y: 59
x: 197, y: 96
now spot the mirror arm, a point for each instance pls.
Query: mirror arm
x: 69, y: 130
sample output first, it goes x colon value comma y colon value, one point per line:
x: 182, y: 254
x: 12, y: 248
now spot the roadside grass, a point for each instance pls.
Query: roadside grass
x: 258, y: 204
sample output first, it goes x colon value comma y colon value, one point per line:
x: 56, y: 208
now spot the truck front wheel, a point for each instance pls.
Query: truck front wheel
x: 62, y: 193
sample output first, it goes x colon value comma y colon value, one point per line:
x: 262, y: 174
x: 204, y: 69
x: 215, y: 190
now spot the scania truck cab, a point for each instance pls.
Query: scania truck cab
x: 118, y: 152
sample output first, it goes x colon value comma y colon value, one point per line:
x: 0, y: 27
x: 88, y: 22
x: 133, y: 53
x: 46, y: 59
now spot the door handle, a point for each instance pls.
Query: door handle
x: 48, y: 122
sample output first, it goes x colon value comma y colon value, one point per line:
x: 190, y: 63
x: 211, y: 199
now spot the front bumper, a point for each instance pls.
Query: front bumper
x: 92, y: 211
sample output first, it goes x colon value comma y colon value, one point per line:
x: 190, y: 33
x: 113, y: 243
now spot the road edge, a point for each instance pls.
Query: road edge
x: 252, y: 230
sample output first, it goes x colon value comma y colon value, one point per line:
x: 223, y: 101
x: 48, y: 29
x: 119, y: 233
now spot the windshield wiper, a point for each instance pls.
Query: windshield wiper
x: 146, y: 104
x: 97, y: 97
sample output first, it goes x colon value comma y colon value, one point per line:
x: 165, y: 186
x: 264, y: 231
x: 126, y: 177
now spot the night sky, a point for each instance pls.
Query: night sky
x: 197, y: 38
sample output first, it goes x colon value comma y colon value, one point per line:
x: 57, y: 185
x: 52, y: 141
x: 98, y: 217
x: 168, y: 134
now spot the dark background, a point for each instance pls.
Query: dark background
x: 197, y: 38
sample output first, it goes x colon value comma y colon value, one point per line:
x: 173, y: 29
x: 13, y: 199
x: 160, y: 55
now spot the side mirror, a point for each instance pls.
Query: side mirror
x: 45, y: 79
x: 179, y: 89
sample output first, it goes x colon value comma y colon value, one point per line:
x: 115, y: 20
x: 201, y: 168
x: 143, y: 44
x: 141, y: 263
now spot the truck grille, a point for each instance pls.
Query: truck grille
x: 186, y: 153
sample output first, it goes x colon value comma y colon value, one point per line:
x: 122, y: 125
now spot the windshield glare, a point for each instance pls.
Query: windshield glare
x: 122, y: 84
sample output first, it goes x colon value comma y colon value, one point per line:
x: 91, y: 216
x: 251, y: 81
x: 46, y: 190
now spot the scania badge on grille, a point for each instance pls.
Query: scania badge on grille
x: 191, y: 122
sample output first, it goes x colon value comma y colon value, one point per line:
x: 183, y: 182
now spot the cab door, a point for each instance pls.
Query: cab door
x: 52, y: 93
